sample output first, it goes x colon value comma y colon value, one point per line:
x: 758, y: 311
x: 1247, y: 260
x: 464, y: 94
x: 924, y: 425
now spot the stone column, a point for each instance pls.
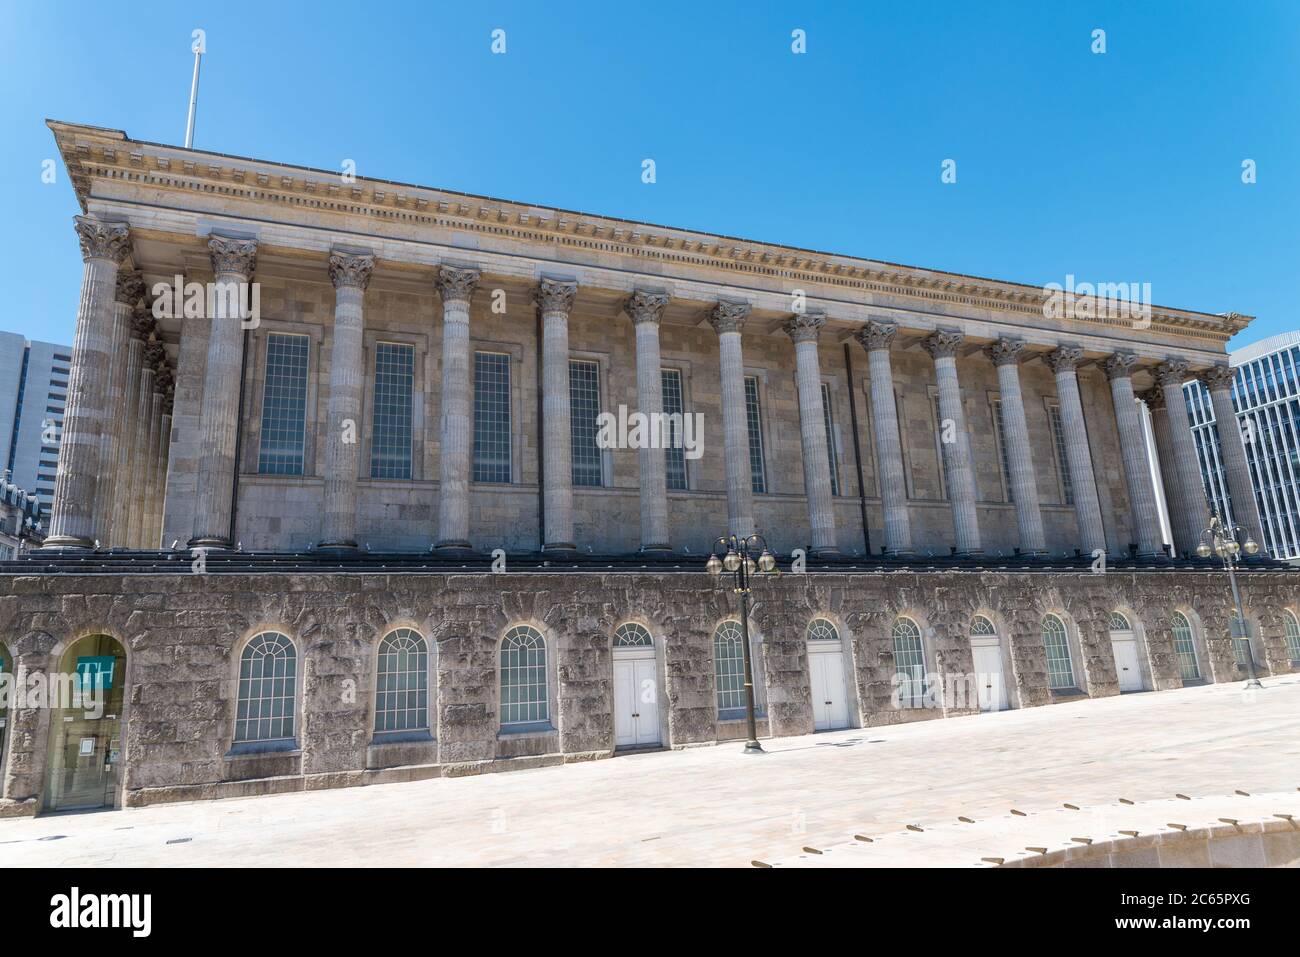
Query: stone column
x: 111, y: 486
x: 73, y: 513
x: 456, y: 285
x: 350, y: 275
x: 1155, y: 400
x: 876, y: 338
x: 140, y: 444
x: 1245, y: 510
x: 1005, y: 354
x: 1132, y: 445
x: 943, y: 346
x: 646, y: 309
x: 555, y: 298
x: 805, y: 329
x: 1194, y: 514
x: 160, y: 462
x: 727, y: 319
x: 126, y: 441
x: 232, y: 265
x: 149, y: 466
x: 1064, y: 363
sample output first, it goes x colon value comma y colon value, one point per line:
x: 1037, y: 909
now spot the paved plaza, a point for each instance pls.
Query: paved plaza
x: 714, y: 806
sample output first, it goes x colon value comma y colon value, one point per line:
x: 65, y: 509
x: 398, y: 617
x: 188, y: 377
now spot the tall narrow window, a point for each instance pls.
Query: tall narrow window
x: 584, y: 407
x: 524, y: 698
x: 268, y: 672
x: 1060, y: 670
x: 938, y: 445
x: 729, y: 669
x: 1292, y: 634
x: 1000, y: 436
x: 830, y: 439
x: 284, y: 406
x: 754, y: 421
x: 674, y: 455
x: 402, y: 682
x: 909, y: 663
x: 390, y: 447
x: 1062, y: 463
x: 1185, y: 647
x: 491, y: 417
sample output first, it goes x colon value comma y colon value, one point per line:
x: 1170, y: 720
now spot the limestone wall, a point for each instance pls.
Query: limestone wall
x: 181, y: 634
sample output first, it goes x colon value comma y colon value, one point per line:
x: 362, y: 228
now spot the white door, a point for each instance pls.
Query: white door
x: 829, y: 696
x: 1127, y: 666
x: 987, y: 658
x: 636, y: 700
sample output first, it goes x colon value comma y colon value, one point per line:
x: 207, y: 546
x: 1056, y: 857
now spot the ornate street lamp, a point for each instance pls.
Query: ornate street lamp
x: 744, y: 557
x: 1223, y: 540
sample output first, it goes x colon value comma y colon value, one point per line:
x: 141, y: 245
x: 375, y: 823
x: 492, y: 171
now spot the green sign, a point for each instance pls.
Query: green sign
x: 96, y: 672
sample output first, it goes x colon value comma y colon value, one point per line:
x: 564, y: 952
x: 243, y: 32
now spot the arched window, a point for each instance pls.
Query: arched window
x: 1185, y: 647
x: 909, y: 662
x: 1060, y: 670
x: 981, y: 627
x: 632, y: 635
x: 524, y: 696
x: 268, y: 677
x: 819, y: 629
x: 402, y: 682
x: 1119, y: 623
x: 1292, y: 634
x: 729, y: 668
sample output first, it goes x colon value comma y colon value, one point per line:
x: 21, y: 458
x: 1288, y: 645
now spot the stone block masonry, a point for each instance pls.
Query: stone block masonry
x: 183, y: 635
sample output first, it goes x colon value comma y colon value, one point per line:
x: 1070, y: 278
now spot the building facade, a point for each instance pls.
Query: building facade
x: 22, y: 520
x: 33, y: 399
x: 1266, y: 400
x: 345, y: 445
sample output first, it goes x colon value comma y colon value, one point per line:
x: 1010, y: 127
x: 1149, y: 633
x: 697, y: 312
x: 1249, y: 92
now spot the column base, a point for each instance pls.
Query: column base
x: 662, y: 549
x: 969, y: 553
x: 454, y: 549
x: 61, y: 543
x: 560, y: 548
x: 342, y: 548
x: 825, y: 553
x: 210, y: 541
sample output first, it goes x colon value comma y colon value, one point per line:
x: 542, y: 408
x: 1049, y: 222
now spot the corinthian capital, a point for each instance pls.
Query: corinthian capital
x: 1119, y: 365
x: 1154, y: 398
x: 1218, y: 378
x: 728, y: 316
x: 237, y: 256
x: 130, y: 287
x: 1173, y: 372
x: 556, y: 295
x: 347, y: 269
x: 943, y: 344
x: 457, y: 283
x: 1005, y: 352
x: 806, y: 326
x: 643, y: 306
x: 1064, y: 359
x: 876, y: 335
x: 100, y: 240
x: 142, y: 324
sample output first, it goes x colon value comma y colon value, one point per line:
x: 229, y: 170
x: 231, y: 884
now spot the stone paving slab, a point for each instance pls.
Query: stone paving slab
x: 715, y: 806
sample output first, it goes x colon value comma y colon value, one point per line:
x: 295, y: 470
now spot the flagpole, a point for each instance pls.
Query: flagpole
x: 194, y: 101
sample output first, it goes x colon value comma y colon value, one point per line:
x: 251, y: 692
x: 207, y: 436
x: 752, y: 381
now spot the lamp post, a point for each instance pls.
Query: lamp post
x: 740, y: 560
x: 1222, y: 540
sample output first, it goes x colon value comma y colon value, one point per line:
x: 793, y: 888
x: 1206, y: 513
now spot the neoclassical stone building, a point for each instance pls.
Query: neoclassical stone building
x: 334, y: 503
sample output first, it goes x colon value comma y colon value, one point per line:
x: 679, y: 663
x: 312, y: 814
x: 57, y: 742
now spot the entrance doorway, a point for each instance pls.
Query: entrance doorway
x: 636, y: 689
x: 986, y: 657
x: 830, y: 698
x: 86, y: 697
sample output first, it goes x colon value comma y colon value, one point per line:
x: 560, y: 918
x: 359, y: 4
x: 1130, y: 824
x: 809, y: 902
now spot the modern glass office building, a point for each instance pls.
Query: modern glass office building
x: 1266, y: 395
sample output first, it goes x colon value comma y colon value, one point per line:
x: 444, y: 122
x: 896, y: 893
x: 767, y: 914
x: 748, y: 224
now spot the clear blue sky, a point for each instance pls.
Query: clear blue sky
x: 1124, y: 166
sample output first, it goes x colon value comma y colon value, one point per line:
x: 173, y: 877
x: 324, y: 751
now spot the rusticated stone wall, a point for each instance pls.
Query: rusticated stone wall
x: 182, y: 634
